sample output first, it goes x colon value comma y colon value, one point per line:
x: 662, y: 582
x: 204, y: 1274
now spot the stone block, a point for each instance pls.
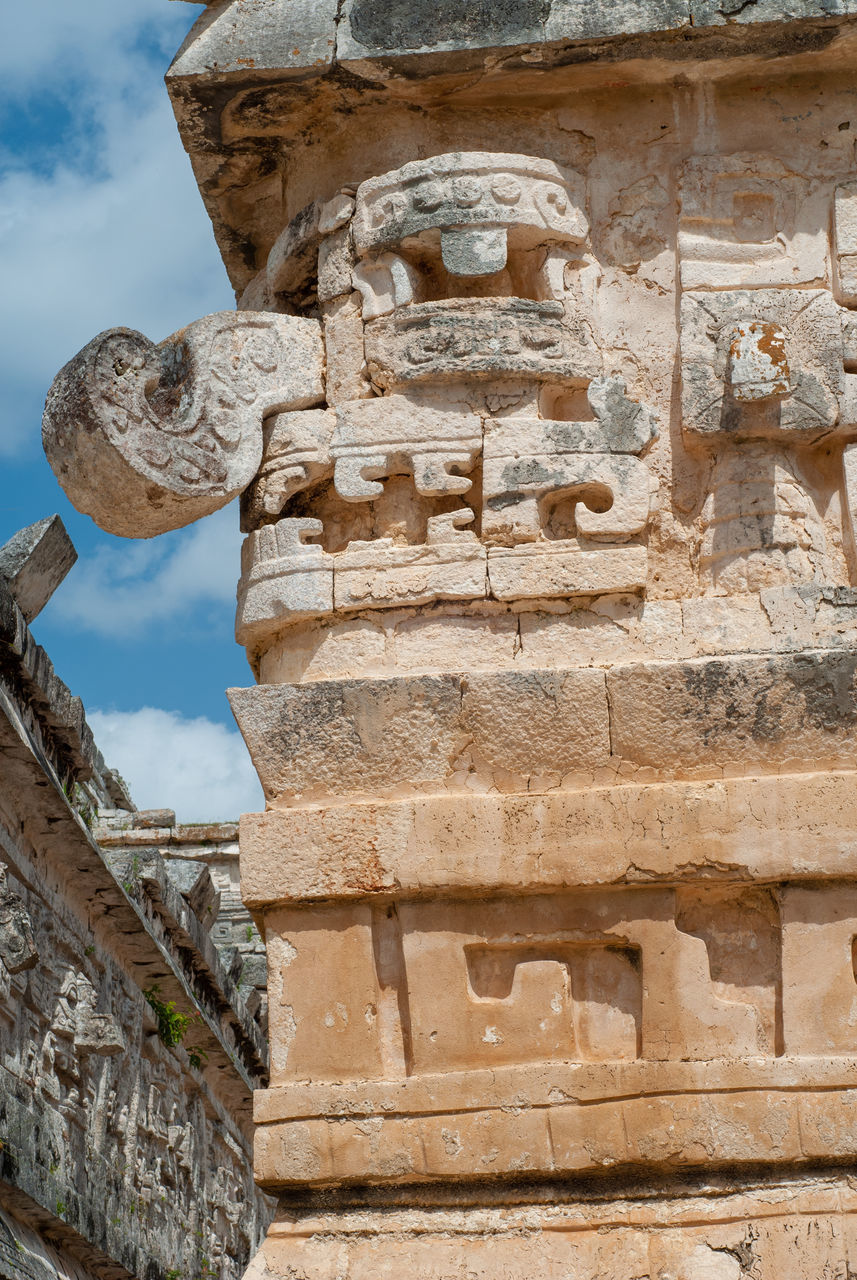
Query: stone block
x: 481, y: 205
x: 34, y: 562
x: 383, y: 573
x: 734, y: 711
x: 416, y: 26
x: 295, y: 455
x: 257, y: 35
x: 323, y: 995
x: 373, y: 438
x: 819, y: 983
x: 738, y: 830
x: 358, y: 736
x: 537, y: 722
x: 284, y: 578
x: 708, y: 12
x: 533, y: 571
x: 193, y: 881
x: 748, y: 221
x: 344, y: 736
x: 462, y: 338
x: 845, y: 242
x: 807, y: 363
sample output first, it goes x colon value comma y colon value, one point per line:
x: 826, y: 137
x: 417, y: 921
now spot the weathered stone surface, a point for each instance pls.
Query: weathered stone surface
x: 551, y: 603
x: 734, y: 831
x: 443, y: 342
x: 104, y: 1103
x: 747, y: 220
x: 806, y: 369
x: 692, y: 1233
x: 34, y: 562
x: 692, y: 715
x: 17, y: 948
x: 257, y: 34
x: 368, y: 736
x: 146, y: 439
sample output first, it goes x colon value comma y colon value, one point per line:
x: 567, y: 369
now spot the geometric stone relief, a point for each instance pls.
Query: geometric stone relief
x: 555, y: 498
x: 748, y: 221
x: 634, y: 974
x: 443, y: 342
x: 477, y: 334
x: 475, y: 327
x: 471, y: 215
x: 763, y: 364
x: 75, y: 1019
x: 765, y: 370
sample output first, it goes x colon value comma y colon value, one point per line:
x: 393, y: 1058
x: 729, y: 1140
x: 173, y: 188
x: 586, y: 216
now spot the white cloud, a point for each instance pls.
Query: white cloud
x: 131, y: 586
x: 108, y: 228
x: 196, y: 766
x: 87, y: 40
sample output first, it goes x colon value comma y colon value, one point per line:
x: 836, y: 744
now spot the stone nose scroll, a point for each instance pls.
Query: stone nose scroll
x: 145, y: 438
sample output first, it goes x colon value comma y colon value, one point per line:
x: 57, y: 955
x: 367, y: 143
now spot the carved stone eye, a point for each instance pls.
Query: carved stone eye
x: 392, y: 207
x: 429, y: 196
x: 558, y: 199
x: 506, y: 189
x: 467, y: 192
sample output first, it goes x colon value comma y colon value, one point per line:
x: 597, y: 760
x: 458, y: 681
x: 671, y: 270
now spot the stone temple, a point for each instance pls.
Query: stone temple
x: 541, y: 400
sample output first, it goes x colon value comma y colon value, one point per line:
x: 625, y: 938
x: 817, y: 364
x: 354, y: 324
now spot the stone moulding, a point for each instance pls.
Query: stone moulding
x: 790, y: 1117
x: 729, y: 831
x: 401, y: 735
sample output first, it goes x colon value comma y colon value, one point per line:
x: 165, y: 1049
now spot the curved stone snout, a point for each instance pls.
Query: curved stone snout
x: 147, y: 438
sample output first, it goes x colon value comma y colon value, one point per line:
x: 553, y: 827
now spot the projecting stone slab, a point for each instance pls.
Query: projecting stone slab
x: 255, y: 35
x: 426, y: 26
x: 34, y: 562
x: 735, y: 831
x: 351, y: 735
x: 341, y: 737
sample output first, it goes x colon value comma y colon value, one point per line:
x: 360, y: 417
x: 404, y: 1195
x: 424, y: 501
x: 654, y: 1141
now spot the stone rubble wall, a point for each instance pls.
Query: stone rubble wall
x: 121, y: 1154
x: 213, y: 845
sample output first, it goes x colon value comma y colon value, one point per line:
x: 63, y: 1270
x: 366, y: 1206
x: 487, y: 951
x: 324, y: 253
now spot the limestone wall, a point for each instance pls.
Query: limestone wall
x: 540, y: 395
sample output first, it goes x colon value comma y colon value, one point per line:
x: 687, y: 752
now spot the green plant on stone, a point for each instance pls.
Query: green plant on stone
x: 173, y: 1025
x: 197, y: 1056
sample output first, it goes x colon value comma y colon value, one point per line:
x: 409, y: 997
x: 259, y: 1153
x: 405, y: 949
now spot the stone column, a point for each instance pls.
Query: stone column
x: 540, y: 398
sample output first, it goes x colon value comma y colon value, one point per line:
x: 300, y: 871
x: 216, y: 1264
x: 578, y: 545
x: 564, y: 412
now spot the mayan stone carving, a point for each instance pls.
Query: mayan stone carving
x: 177, y: 428
x: 17, y: 947
x: 548, y: 590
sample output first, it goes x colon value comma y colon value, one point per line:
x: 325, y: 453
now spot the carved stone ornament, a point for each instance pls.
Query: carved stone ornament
x: 148, y: 438
x: 17, y: 947
x: 76, y: 1019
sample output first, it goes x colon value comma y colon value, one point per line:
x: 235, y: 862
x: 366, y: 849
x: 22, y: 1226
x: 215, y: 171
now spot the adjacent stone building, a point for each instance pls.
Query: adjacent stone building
x: 129, y: 1043
x: 540, y: 395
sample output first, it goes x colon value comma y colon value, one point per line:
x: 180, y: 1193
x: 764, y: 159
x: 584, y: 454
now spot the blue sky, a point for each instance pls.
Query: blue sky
x: 101, y: 224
